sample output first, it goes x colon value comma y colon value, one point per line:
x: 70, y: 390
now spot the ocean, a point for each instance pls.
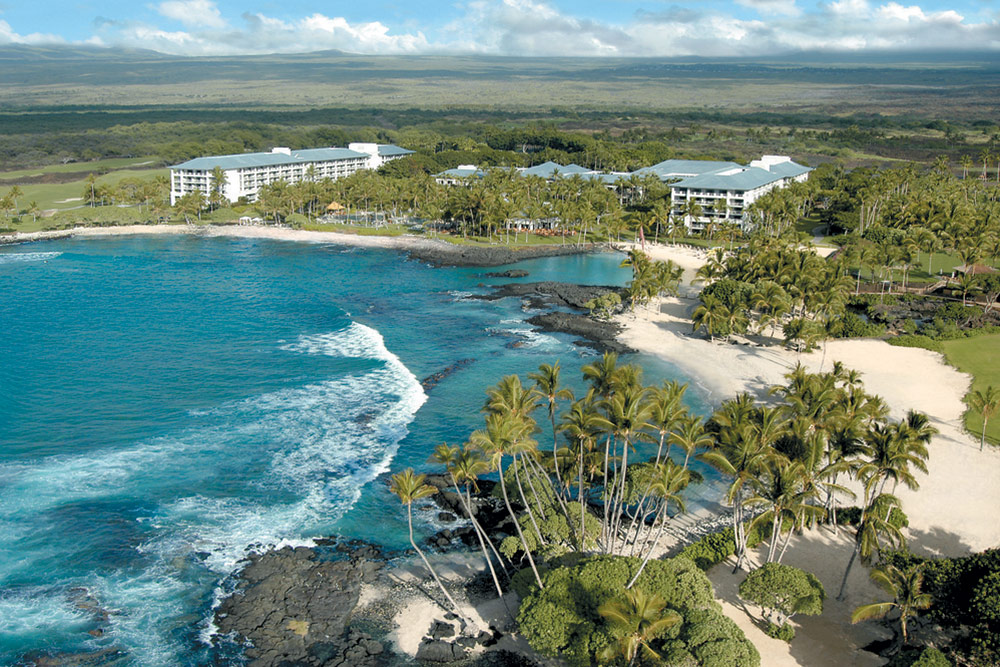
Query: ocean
x: 169, y: 404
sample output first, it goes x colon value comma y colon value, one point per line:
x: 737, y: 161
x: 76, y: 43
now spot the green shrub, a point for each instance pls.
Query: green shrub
x: 783, y: 591
x: 852, y: 325
x: 916, y: 340
x: 966, y: 594
x: 915, y: 657
x: 560, y: 534
x: 562, y: 620
x: 785, y: 632
x: 716, y: 547
x: 849, y: 516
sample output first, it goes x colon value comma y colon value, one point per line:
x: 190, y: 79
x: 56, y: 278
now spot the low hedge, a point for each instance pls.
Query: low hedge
x: 716, y: 547
x: 917, y: 340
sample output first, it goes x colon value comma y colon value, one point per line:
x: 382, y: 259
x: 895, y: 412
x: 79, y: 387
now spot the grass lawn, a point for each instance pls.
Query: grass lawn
x: 980, y: 357
x: 940, y: 262
x: 68, y: 196
x: 84, y: 168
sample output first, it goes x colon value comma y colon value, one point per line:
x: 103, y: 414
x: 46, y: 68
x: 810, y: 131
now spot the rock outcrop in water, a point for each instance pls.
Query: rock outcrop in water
x: 292, y: 606
x: 602, y: 336
x: 441, y: 254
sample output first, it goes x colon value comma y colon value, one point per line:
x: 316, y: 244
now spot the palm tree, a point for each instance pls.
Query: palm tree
x: 892, y: 451
x: 582, y: 425
x: 627, y: 412
x: 782, y: 494
x: 217, y: 187
x: 547, y: 384
x: 410, y: 488
x: 601, y: 373
x: 691, y: 437
x: 666, y: 410
x: 743, y: 447
x: 873, y: 528
x: 500, y: 438
x: 464, y: 467
x: 15, y: 192
x: 712, y: 314
x: 907, y: 597
x: 669, y: 479
x: 636, y: 621
x: 985, y: 402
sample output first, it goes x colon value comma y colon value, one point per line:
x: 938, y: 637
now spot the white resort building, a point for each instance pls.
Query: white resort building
x: 722, y: 190
x: 723, y: 194
x: 246, y: 173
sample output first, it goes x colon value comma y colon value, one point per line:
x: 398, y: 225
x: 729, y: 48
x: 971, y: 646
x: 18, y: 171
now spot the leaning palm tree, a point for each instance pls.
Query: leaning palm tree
x: 873, y: 529
x: 547, y: 384
x: 905, y: 588
x: 464, y: 467
x: 669, y: 479
x: 501, y: 438
x: 410, y: 488
x: 985, y: 402
x: 636, y: 621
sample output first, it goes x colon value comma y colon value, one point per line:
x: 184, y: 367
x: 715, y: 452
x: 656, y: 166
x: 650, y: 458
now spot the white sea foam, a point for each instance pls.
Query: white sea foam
x: 13, y: 257
x: 38, y: 613
x: 313, y: 448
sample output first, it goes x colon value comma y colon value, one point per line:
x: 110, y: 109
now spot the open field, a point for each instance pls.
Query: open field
x: 95, y: 167
x: 79, y: 76
x: 980, y: 357
x: 64, y: 196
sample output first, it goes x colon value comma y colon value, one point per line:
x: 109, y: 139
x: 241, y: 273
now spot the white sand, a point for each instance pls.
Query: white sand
x: 414, y: 620
x: 950, y: 515
x: 241, y: 231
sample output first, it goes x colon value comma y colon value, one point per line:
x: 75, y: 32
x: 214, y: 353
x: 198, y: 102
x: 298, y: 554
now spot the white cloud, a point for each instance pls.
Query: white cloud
x: 897, y: 12
x: 783, y: 7
x: 539, y: 28
x: 856, y: 8
x: 193, y: 13
x: 265, y: 34
x: 9, y: 36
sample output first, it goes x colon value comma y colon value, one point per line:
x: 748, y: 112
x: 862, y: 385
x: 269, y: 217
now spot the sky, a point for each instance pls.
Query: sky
x: 652, y: 28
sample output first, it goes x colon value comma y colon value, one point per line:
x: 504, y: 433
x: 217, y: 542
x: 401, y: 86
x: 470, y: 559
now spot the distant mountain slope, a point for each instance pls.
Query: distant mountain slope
x: 77, y: 75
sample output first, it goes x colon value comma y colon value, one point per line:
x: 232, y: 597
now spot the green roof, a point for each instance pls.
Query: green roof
x: 459, y: 172
x: 553, y: 169
x: 742, y: 178
x: 670, y: 169
x: 391, y: 150
x: 249, y: 160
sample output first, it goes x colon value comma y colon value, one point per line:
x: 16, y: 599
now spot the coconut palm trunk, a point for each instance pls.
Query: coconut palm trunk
x: 662, y: 517
x: 520, y: 533
x: 413, y: 543
x: 524, y: 499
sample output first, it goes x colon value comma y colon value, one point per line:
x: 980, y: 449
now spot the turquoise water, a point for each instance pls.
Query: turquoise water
x: 169, y: 404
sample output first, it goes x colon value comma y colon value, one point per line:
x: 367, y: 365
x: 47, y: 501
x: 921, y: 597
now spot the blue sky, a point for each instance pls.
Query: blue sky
x: 509, y: 27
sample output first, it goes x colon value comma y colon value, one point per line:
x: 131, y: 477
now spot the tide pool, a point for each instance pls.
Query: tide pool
x: 168, y: 404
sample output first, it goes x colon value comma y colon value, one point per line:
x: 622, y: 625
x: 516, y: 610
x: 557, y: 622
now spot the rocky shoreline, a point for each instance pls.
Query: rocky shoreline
x: 447, y: 254
x: 301, y: 606
x: 552, y: 296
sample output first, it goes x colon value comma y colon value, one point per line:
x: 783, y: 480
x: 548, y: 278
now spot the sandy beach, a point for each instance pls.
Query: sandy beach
x: 435, y: 251
x: 950, y: 515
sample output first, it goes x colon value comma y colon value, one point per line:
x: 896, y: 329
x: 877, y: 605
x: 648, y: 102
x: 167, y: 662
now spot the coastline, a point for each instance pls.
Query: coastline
x: 949, y: 514
x: 433, y: 251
